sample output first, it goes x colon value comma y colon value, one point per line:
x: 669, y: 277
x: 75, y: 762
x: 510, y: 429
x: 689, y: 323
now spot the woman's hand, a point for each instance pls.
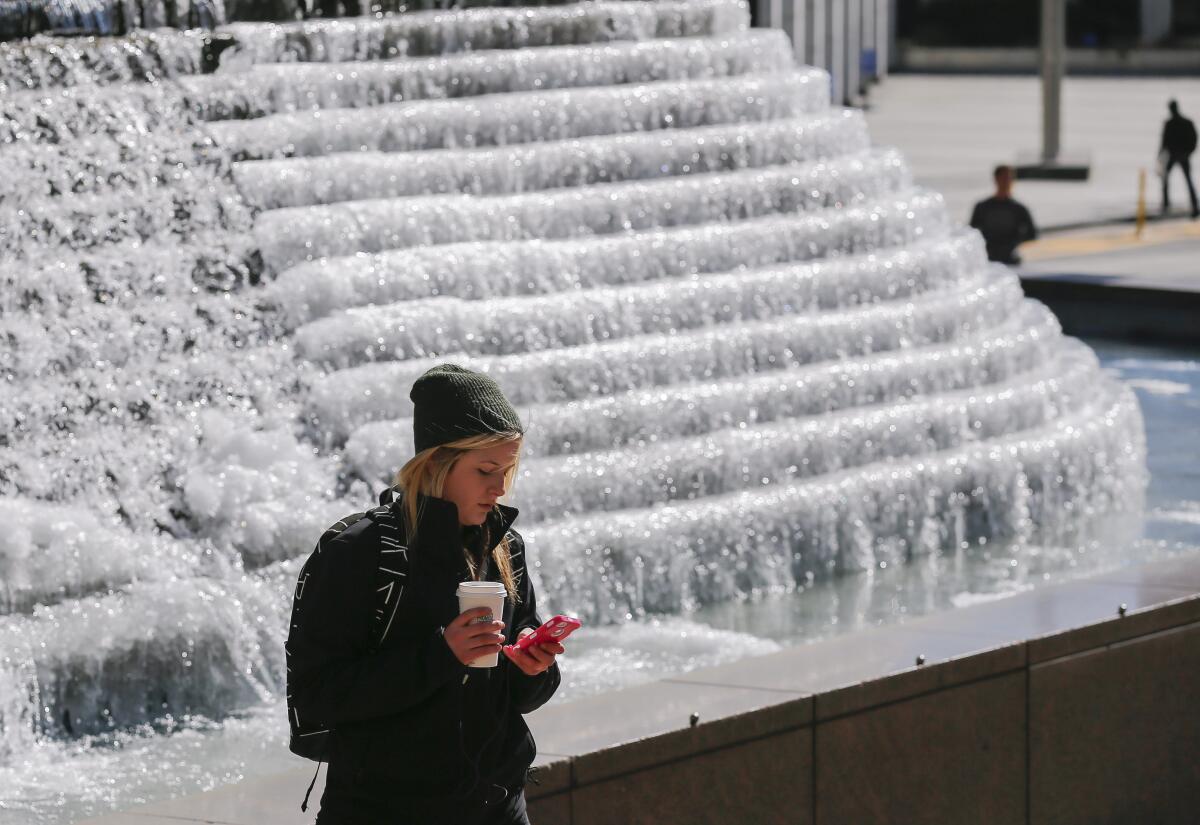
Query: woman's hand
x: 535, y: 658
x: 469, y: 642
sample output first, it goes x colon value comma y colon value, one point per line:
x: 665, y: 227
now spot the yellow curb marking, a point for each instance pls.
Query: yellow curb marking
x: 1109, y: 240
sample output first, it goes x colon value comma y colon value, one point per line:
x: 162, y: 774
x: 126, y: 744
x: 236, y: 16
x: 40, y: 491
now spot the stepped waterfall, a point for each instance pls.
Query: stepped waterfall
x: 751, y: 353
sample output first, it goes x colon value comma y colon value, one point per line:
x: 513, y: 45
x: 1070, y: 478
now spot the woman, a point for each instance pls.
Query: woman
x: 417, y: 737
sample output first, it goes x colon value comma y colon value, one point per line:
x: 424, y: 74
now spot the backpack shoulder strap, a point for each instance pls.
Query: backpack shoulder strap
x: 388, y: 495
x: 391, y: 579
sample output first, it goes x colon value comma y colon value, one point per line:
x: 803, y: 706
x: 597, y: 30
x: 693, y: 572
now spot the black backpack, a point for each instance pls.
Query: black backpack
x: 312, y: 740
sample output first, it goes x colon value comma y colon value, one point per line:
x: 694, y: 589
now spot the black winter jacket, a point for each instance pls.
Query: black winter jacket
x: 412, y: 723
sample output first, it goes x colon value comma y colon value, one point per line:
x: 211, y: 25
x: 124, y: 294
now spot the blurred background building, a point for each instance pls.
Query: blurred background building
x: 860, y: 41
x: 1002, y: 35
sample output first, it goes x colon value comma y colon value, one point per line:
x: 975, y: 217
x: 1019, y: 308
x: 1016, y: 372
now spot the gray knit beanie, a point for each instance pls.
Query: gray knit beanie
x: 451, y: 402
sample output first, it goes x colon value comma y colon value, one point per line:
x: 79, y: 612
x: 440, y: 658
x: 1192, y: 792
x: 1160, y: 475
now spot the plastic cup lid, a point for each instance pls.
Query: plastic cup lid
x: 483, y: 587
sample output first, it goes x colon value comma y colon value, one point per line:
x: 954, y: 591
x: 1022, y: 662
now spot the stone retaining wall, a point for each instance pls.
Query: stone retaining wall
x: 1091, y: 725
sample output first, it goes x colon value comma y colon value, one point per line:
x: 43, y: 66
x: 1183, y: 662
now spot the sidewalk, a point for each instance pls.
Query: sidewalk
x: 1166, y: 257
x: 954, y: 129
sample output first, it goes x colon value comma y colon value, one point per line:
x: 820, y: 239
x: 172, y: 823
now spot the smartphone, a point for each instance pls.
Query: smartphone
x: 554, y: 630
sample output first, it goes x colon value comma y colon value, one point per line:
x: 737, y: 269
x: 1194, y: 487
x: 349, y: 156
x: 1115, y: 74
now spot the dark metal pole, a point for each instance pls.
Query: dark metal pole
x: 1053, y: 58
x: 1052, y: 163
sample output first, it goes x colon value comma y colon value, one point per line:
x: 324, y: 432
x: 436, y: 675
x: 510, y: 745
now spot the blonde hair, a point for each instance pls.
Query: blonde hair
x: 426, y: 472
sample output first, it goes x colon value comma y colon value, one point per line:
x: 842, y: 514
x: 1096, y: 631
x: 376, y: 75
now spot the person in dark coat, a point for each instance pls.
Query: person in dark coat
x: 1003, y: 221
x: 1177, y: 145
x: 417, y: 736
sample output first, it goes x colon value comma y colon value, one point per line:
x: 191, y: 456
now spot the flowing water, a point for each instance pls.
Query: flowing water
x: 773, y: 392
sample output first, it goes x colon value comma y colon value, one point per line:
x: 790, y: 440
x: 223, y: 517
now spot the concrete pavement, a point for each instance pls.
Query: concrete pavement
x: 954, y: 129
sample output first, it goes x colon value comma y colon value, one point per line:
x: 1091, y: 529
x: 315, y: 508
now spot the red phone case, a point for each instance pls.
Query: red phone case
x: 553, y: 630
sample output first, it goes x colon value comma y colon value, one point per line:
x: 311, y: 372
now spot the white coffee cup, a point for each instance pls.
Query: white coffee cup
x: 483, y: 594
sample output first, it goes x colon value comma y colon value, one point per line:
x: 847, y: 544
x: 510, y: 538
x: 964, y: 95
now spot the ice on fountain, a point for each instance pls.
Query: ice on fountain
x: 525, y: 117
x: 486, y: 270
x: 290, y: 236
x: 111, y: 307
x: 641, y: 418
x: 153, y: 410
x: 80, y: 112
x: 127, y: 240
x: 89, y: 165
x: 753, y: 455
x: 531, y: 323
x: 271, y: 184
x: 198, y: 645
x: 269, y: 89
x: 92, y: 167
x: 579, y: 372
x: 252, y: 489
x: 675, y: 557
x: 446, y: 32
x: 51, y: 552
x: 142, y: 55
x: 128, y: 235
x: 93, y: 199
x: 87, y: 221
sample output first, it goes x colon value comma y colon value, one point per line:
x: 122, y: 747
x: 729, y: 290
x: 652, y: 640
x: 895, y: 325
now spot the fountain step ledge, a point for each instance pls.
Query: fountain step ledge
x: 1029, y: 487
x: 492, y: 269
x: 526, y: 117
x: 526, y: 167
x: 749, y: 453
x: 624, y: 755
x: 291, y: 236
x: 511, y: 325
x: 648, y: 416
x: 795, y: 449
x: 279, y: 88
x: 444, y: 32
x: 726, y: 350
x: 539, y: 378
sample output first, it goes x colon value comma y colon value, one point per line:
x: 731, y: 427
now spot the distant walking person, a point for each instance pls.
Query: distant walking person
x: 1178, y: 144
x: 1004, y: 221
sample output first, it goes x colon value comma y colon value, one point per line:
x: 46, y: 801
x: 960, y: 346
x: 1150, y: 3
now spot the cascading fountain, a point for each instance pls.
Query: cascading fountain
x: 752, y: 354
